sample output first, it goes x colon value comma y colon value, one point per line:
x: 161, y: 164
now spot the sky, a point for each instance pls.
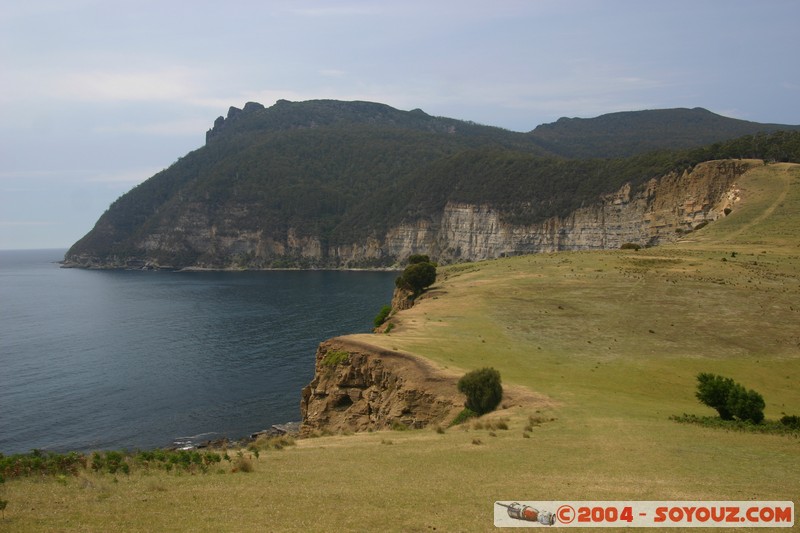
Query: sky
x: 98, y: 95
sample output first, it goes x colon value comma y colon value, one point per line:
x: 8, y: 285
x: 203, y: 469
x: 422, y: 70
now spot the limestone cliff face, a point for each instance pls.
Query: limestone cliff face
x: 652, y: 213
x: 357, y: 387
x: 648, y: 215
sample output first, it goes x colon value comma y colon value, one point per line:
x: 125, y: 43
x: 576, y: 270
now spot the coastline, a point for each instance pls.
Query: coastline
x: 189, y: 269
x: 291, y: 429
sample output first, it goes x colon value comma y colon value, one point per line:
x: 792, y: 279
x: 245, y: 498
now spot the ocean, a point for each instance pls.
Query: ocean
x: 100, y: 360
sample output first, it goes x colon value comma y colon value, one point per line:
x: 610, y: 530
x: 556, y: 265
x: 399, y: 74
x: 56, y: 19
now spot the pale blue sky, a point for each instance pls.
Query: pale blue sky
x: 97, y: 95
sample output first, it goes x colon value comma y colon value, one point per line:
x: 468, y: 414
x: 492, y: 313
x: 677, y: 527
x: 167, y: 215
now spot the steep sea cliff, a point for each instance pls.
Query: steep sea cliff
x: 655, y: 212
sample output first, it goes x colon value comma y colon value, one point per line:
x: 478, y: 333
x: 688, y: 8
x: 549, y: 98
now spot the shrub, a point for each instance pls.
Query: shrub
x: 417, y: 277
x: 463, y: 416
x: 772, y: 427
x: 418, y: 258
x: 746, y: 404
x: 712, y: 390
x: 397, y: 425
x: 382, y: 315
x: 630, y: 246
x: 334, y: 357
x: 277, y: 442
x: 729, y: 399
x: 791, y: 421
x: 483, y: 389
x: 243, y: 464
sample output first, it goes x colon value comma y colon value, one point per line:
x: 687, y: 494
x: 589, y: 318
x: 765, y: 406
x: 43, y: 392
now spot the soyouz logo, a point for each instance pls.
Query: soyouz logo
x: 681, y: 514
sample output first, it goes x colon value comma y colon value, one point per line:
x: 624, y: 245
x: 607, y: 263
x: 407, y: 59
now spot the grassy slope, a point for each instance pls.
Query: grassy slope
x: 613, y: 338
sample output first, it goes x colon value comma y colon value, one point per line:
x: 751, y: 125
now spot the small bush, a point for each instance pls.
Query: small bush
x: 382, y: 315
x: 791, y: 421
x: 463, y: 416
x: 243, y: 464
x: 482, y: 388
x: 397, y: 425
x: 334, y: 357
x: 536, y: 420
x: 747, y: 405
x: 280, y: 442
x: 630, y: 246
x: 417, y: 277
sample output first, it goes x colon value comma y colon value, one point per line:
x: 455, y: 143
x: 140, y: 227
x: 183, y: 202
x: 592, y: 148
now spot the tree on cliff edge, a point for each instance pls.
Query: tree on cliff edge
x: 417, y: 276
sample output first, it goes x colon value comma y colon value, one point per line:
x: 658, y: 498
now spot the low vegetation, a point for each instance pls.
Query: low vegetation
x: 58, y: 465
x: 483, y: 389
x: 463, y: 415
x: 766, y: 427
x: 335, y: 357
x: 382, y: 315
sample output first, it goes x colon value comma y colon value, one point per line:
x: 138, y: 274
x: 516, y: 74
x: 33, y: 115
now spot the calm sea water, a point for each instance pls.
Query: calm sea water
x: 130, y: 359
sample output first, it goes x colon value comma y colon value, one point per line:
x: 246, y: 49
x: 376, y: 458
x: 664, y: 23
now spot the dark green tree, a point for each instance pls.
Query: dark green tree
x: 730, y: 399
x: 483, y: 389
x: 713, y: 390
x: 417, y: 277
x: 746, y: 404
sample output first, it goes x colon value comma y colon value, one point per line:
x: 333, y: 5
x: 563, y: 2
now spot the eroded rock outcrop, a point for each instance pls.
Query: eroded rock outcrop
x: 357, y: 387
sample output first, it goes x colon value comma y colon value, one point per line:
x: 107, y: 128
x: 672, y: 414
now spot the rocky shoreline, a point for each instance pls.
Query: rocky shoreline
x: 291, y: 429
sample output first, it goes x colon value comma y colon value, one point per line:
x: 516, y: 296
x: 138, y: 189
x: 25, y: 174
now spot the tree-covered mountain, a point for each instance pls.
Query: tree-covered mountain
x: 322, y: 184
x: 633, y: 132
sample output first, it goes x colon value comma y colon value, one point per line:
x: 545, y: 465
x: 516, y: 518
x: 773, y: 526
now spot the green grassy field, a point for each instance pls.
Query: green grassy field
x: 614, y: 341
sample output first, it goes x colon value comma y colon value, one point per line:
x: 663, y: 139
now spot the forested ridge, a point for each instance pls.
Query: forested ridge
x: 346, y: 171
